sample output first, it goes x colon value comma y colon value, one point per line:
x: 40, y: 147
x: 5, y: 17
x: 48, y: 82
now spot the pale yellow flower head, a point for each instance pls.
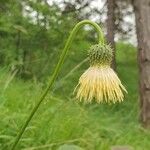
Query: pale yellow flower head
x: 99, y: 82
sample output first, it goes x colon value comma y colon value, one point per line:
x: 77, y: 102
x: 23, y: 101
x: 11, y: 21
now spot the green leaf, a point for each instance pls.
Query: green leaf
x: 20, y: 28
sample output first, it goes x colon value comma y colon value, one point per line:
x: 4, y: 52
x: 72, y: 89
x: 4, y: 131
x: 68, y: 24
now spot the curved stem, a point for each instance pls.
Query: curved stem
x: 56, y: 71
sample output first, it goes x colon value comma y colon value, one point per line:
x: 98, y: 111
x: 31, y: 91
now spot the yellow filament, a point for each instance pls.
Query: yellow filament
x: 100, y: 83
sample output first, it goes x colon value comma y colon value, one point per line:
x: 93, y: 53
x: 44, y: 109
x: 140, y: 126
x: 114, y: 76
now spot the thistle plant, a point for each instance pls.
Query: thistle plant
x: 99, y: 82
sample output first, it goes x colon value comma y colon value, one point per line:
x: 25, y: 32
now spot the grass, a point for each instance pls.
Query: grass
x: 61, y: 120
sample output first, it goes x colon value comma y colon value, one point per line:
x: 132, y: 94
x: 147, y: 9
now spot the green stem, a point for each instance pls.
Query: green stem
x: 56, y: 71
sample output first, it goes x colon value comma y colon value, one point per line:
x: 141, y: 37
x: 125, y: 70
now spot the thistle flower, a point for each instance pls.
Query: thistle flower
x: 99, y: 81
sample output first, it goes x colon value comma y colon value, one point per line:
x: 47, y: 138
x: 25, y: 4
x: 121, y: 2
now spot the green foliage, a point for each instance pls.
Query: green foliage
x: 61, y: 120
x: 31, y: 33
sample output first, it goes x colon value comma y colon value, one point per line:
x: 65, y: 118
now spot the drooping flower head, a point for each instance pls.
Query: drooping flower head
x: 99, y: 82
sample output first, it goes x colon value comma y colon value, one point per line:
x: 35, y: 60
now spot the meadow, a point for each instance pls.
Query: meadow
x: 61, y: 119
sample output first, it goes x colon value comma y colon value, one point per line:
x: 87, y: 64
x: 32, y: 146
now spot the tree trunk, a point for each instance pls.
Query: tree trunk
x: 111, y: 28
x: 142, y: 14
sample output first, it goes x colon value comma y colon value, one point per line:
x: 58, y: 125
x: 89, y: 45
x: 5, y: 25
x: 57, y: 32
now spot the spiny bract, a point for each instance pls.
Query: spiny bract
x: 100, y: 55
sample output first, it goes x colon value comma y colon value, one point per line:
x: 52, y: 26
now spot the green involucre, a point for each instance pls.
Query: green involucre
x: 100, y: 54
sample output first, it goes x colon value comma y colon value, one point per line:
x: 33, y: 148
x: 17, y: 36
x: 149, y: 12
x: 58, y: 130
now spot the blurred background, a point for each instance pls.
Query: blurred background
x: 32, y: 36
